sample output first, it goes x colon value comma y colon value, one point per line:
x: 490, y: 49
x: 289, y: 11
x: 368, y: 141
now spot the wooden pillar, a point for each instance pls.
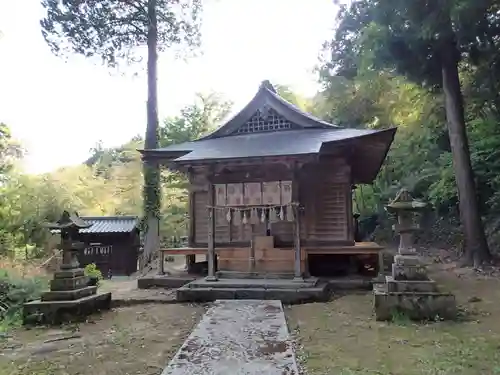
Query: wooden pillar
x: 191, y: 211
x: 190, y: 261
x: 161, y: 262
x: 251, y: 258
x: 349, y: 211
x: 297, y: 272
x: 381, y: 267
x: 211, y: 232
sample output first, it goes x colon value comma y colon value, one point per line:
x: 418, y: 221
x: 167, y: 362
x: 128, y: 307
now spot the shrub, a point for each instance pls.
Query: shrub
x: 14, y: 292
x: 92, y: 271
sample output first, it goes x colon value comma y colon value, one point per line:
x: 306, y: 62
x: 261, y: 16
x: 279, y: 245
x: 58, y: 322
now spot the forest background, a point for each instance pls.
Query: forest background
x: 357, y: 91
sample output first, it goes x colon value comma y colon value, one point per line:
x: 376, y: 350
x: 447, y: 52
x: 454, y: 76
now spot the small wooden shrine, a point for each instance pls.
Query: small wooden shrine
x: 110, y: 242
x: 70, y: 295
x: 272, y: 188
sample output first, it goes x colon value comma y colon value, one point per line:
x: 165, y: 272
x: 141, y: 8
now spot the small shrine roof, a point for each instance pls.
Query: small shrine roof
x: 68, y: 220
x: 107, y: 224
x: 110, y: 224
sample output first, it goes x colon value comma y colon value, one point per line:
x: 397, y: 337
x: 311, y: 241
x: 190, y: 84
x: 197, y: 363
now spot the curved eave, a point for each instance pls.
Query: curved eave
x: 165, y: 155
x: 368, y: 155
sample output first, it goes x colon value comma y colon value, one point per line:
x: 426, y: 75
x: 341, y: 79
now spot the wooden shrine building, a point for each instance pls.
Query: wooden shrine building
x: 272, y: 187
x: 112, y: 243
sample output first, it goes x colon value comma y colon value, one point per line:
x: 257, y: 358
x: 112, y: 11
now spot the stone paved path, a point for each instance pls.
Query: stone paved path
x: 237, y: 337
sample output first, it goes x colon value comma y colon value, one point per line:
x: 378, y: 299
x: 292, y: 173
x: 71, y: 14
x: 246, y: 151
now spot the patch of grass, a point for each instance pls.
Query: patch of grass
x: 399, y: 318
x: 342, y: 336
x: 38, y: 369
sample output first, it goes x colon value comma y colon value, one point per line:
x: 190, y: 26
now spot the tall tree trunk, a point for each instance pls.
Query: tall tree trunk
x: 476, y: 249
x: 151, y: 169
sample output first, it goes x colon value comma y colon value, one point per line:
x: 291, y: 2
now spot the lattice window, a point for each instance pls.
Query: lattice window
x: 265, y: 120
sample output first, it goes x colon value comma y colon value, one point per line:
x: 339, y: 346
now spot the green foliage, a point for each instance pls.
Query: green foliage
x: 301, y: 102
x: 113, y: 29
x: 420, y: 156
x: 195, y: 120
x: 10, y: 150
x: 109, y: 182
x: 91, y: 270
x: 384, y: 67
x: 14, y: 292
x: 409, y: 36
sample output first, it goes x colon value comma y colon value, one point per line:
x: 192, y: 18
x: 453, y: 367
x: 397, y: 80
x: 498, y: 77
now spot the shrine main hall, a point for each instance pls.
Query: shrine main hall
x: 270, y: 196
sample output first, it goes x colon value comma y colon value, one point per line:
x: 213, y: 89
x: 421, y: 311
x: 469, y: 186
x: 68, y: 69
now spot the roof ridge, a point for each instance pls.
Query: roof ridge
x: 266, y: 84
x: 115, y: 217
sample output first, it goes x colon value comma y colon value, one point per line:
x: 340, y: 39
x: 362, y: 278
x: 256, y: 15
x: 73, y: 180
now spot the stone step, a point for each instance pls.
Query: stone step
x: 319, y: 293
x: 253, y: 275
x: 163, y: 281
x: 254, y: 283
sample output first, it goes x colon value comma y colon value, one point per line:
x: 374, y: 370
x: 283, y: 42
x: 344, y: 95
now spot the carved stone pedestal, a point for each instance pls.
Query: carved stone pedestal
x: 417, y: 299
x: 70, y: 298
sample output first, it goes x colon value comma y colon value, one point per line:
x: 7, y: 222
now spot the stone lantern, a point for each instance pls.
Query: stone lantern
x: 408, y: 289
x: 69, y: 225
x: 404, y: 207
x: 70, y: 292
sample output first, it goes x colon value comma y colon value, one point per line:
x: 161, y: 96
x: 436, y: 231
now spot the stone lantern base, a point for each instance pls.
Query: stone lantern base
x: 70, y: 298
x: 409, y: 291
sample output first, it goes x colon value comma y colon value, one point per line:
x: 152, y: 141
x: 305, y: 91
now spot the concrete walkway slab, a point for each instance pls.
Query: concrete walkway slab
x: 237, y: 337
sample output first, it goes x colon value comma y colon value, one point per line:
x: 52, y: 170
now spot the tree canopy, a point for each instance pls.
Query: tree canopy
x: 114, y: 29
x: 109, y: 182
x: 427, y: 43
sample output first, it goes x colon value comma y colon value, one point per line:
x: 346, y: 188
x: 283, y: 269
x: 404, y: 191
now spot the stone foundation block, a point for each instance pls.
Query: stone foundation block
x: 228, y: 293
x: 407, y: 251
x: 57, y: 312
x: 416, y: 306
x: 160, y: 281
x: 66, y: 274
x: 416, y: 286
x: 207, y: 294
x: 63, y: 284
x: 69, y: 295
x: 380, y: 287
x: 250, y: 293
x: 400, y: 272
x: 407, y: 260
x: 185, y: 294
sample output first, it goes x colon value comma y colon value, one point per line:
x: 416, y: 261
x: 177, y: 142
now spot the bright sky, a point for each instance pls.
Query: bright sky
x: 59, y: 110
